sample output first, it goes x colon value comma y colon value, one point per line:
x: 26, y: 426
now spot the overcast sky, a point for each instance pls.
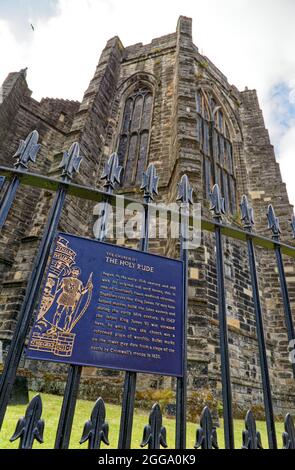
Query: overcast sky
x: 251, y: 41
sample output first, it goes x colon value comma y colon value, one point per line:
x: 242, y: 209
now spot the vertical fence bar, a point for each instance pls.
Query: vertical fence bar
x: 289, y: 433
x: 65, y: 423
x: 8, y: 199
x: 2, y: 181
x: 150, y: 187
x: 30, y: 427
x: 26, y: 152
x: 293, y: 225
x: 70, y: 164
x: 111, y: 175
x: 96, y: 429
x: 250, y: 436
x: 247, y: 218
x: 154, y: 434
x: 185, y: 198
x: 128, y: 399
x: 217, y: 206
x: 206, y: 436
x: 273, y: 224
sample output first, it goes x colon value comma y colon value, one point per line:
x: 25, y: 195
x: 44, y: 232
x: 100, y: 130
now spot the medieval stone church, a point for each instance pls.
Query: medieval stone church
x: 162, y: 103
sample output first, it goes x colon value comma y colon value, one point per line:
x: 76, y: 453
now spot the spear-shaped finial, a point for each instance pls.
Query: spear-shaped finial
x: 112, y: 172
x: 71, y: 161
x: 293, y: 225
x: 273, y: 222
x: 27, y: 150
x: 206, y: 436
x: 185, y: 191
x: 289, y: 433
x: 247, y: 213
x: 251, y: 437
x: 31, y: 426
x: 154, y: 434
x: 217, y: 203
x: 150, y: 182
x: 96, y: 430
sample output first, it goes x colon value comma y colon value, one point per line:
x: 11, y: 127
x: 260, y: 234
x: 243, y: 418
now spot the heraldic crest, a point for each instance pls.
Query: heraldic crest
x: 64, y: 302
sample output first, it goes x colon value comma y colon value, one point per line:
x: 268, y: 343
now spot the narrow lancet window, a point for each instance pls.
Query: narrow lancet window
x: 215, y: 143
x: 134, y: 134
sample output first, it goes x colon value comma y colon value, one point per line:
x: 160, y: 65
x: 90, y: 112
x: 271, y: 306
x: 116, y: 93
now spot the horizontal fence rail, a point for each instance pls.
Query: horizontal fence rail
x: 96, y: 195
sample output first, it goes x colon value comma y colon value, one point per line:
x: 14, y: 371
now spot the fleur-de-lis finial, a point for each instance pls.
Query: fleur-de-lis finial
x: 71, y: 161
x: 112, y: 172
x: 293, y: 225
x: 273, y: 222
x: 31, y: 426
x: 150, y: 182
x: 217, y: 203
x: 185, y: 191
x: 206, y: 436
x: 289, y: 433
x: 247, y: 213
x: 96, y: 430
x: 154, y: 434
x: 27, y: 150
x: 251, y: 437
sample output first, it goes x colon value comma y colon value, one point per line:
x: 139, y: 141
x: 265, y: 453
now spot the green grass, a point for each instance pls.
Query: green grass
x: 51, y: 409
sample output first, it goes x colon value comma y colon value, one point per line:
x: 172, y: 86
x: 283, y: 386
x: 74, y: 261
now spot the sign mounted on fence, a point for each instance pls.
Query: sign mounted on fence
x: 109, y: 306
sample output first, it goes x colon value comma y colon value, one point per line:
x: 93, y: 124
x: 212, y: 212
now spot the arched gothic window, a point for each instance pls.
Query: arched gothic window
x: 134, y: 134
x: 216, y: 146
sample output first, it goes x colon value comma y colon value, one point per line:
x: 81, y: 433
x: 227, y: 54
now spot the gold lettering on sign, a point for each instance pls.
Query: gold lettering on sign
x: 136, y: 316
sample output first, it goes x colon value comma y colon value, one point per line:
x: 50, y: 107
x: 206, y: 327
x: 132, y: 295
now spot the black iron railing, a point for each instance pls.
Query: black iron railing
x: 95, y: 431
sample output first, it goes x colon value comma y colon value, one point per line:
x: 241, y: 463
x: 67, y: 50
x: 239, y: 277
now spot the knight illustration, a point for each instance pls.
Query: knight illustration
x: 71, y: 291
x: 64, y: 302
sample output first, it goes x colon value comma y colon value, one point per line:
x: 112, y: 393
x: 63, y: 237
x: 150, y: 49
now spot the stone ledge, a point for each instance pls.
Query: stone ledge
x: 149, y: 55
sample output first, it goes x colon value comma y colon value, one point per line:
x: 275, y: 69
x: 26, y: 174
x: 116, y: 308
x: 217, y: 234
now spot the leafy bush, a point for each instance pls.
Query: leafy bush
x: 146, y: 398
x: 240, y: 411
x: 197, y: 400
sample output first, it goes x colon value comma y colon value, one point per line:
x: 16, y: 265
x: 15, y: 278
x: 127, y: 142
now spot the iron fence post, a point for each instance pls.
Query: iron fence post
x: 126, y: 421
x: 273, y: 224
x: 2, y: 182
x: 247, y: 218
x: 185, y: 197
x: 292, y: 224
x: 154, y: 434
x: 250, y: 436
x: 63, y: 433
x: 217, y: 206
x: 70, y: 164
x: 26, y: 152
x: 111, y: 175
x: 206, y: 436
x: 96, y: 429
x: 289, y: 433
x: 30, y: 427
x: 150, y: 187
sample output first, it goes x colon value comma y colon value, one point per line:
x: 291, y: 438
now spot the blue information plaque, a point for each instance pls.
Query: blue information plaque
x: 108, y: 306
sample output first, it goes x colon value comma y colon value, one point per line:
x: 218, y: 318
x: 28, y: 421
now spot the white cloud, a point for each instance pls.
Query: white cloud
x: 250, y: 41
x: 13, y: 56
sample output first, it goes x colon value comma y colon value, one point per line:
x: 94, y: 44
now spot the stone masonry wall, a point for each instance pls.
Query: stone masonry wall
x: 19, y: 115
x: 174, y: 69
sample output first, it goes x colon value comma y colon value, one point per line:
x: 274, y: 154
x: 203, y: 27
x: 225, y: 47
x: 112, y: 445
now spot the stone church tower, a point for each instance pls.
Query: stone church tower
x: 161, y: 103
